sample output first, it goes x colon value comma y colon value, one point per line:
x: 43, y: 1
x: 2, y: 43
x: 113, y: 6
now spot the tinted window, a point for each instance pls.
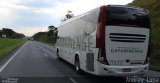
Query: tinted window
x: 127, y: 16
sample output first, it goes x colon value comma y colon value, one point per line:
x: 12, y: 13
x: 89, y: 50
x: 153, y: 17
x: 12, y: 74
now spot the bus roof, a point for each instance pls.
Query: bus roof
x: 80, y: 15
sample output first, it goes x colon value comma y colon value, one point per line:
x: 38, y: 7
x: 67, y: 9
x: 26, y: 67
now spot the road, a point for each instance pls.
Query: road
x: 35, y: 62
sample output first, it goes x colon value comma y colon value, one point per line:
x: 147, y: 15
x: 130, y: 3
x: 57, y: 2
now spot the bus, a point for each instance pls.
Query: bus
x: 111, y: 40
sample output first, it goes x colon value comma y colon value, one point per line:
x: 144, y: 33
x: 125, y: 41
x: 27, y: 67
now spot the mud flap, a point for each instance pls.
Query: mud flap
x: 90, y: 62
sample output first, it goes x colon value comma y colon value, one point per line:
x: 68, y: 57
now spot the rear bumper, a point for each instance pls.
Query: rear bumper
x: 105, y: 70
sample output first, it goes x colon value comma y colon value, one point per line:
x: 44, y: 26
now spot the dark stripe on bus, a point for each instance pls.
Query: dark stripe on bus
x: 127, y: 38
x: 124, y: 34
x: 115, y: 40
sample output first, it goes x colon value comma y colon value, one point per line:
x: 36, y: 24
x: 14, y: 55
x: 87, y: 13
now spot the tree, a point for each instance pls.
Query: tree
x: 10, y: 33
x: 0, y: 33
x: 51, y: 28
x: 49, y: 36
x: 52, y: 33
x: 39, y: 36
x: 68, y: 16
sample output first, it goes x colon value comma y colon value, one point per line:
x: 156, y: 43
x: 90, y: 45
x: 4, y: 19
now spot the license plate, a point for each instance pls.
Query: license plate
x: 126, y: 70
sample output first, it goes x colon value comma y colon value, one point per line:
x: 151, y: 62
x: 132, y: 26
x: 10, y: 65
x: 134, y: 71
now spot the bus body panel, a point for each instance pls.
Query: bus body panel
x: 68, y: 54
x: 84, y: 24
x: 105, y: 70
x: 126, y: 46
x: 77, y: 36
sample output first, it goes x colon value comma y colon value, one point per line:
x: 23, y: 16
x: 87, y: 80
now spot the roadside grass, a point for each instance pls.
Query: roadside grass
x: 155, y: 49
x: 154, y: 65
x: 155, y: 59
x: 7, y: 45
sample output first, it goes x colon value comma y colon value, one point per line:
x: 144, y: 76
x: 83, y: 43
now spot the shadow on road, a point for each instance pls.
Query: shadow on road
x: 88, y: 78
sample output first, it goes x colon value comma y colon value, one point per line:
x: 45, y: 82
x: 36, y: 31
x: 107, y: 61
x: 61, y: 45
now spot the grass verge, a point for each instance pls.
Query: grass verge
x: 7, y: 45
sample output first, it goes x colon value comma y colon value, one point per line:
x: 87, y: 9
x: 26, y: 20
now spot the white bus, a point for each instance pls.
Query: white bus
x: 111, y: 40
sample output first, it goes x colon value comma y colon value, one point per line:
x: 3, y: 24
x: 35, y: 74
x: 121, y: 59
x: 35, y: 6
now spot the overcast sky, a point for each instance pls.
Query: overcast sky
x: 31, y: 16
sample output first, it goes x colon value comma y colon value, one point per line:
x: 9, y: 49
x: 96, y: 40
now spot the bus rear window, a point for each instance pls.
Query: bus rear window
x: 127, y: 16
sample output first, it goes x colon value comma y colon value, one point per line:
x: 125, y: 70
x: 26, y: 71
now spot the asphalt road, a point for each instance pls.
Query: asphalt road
x: 36, y: 62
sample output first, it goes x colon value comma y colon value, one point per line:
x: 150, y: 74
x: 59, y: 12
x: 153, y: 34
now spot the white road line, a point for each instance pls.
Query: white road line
x: 1, y: 69
x: 72, y: 80
x: 45, y: 54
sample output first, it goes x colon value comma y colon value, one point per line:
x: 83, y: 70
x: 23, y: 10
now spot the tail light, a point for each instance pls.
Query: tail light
x: 102, y: 58
x: 146, y: 61
x: 100, y: 36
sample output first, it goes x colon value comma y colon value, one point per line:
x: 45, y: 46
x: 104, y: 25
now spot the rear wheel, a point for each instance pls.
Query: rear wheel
x: 77, y: 64
x: 57, y: 54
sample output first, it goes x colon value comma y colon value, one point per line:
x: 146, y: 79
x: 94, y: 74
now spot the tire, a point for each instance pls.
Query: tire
x: 77, y: 65
x: 57, y: 53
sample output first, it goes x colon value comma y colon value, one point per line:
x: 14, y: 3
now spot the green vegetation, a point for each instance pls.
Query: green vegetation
x: 7, y: 45
x: 47, y: 37
x: 154, y: 7
x: 42, y: 37
x: 50, y: 36
x: 9, y: 33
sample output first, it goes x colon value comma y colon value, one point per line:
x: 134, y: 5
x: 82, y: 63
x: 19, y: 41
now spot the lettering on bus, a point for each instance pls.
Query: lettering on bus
x: 74, y: 44
x: 90, y: 44
x: 78, y: 42
x: 84, y: 43
x: 126, y: 50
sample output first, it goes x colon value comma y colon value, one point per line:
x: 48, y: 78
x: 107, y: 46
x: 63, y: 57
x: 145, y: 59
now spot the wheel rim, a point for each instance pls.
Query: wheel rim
x: 77, y: 67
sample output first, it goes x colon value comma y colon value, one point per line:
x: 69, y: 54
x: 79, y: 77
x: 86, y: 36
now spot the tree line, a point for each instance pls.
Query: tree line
x: 49, y: 36
x: 9, y: 33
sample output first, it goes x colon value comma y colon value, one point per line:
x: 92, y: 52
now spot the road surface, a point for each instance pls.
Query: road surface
x: 35, y: 62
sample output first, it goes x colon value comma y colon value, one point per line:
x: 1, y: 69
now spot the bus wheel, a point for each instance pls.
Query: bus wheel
x: 57, y: 53
x: 77, y: 64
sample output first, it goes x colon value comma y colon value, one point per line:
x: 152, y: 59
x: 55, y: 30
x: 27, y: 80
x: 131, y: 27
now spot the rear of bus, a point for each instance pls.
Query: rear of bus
x: 123, y: 38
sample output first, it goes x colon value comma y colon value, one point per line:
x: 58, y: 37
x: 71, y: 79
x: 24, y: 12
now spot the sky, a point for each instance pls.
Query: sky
x: 31, y: 16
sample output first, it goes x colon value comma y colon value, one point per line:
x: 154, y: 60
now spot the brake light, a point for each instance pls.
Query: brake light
x: 146, y: 61
x: 102, y: 59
